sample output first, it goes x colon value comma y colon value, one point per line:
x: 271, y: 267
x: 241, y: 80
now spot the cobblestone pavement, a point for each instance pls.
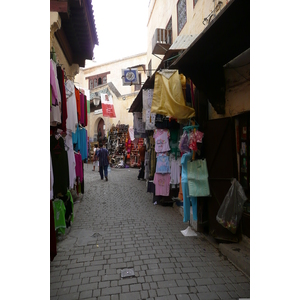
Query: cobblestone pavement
x: 117, y: 227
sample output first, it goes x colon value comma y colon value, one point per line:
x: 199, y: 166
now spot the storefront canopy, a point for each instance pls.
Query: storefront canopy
x: 227, y: 36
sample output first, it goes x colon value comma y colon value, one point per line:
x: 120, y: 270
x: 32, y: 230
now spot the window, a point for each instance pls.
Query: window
x: 104, y: 79
x: 95, y: 82
x: 169, y: 27
x: 99, y: 81
x: 91, y: 84
x: 181, y: 14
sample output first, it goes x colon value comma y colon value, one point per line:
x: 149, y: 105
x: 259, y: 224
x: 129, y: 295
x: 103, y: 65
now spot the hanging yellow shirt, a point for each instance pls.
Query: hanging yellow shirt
x: 168, y: 98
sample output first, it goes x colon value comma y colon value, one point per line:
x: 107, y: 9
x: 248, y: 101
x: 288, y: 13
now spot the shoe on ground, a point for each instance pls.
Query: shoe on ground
x: 106, y: 179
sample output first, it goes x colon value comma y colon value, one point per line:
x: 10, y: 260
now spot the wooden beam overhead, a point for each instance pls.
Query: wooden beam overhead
x: 59, y: 6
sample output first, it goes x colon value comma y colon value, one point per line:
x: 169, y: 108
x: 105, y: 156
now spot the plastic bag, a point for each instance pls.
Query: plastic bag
x: 230, y: 212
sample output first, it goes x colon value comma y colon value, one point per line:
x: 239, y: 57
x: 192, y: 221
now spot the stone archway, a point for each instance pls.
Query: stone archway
x: 100, y: 130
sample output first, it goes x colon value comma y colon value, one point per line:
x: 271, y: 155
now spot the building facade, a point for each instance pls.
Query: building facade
x: 96, y: 79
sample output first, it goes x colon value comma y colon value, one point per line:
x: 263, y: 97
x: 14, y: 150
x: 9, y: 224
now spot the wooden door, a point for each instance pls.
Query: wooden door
x: 220, y: 149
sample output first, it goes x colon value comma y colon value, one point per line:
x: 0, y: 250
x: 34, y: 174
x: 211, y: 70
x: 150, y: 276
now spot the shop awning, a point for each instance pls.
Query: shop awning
x: 222, y: 40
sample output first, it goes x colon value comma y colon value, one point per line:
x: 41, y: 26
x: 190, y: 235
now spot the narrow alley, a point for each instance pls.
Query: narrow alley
x: 122, y: 247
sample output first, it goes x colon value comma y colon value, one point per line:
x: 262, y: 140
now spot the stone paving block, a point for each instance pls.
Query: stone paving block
x: 183, y: 297
x: 167, y: 284
x: 224, y: 295
x: 63, y: 291
x: 217, y: 288
x: 208, y: 296
x: 135, y: 287
x: 56, y: 285
x: 111, y: 291
x: 144, y: 295
x: 171, y: 297
x: 182, y: 282
x: 172, y: 276
x: 89, y: 286
x: 71, y: 282
x: 152, y: 293
x: 127, y: 281
x: 202, y: 289
x: 88, y: 274
x: 85, y: 294
x: 154, y: 272
x: 204, y: 281
x: 169, y: 271
x: 110, y: 277
x: 130, y: 296
x: 76, y: 270
x: 162, y: 292
x: 71, y: 296
x: 179, y: 290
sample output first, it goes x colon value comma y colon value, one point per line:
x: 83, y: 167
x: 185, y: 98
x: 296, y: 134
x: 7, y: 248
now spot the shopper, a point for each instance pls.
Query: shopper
x: 103, y: 158
x: 95, y: 158
x: 142, y: 151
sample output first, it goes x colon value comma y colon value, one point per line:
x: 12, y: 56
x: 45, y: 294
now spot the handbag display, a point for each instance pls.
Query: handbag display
x: 198, y: 178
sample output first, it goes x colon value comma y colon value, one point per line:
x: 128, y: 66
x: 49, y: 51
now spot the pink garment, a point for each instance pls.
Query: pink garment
x: 78, y: 169
x: 162, y: 184
x: 161, y: 137
x: 195, y: 137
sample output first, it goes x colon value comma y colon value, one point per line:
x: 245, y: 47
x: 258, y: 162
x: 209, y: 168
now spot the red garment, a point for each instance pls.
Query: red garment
x: 77, y: 95
x: 85, y: 105
x: 82, y: 110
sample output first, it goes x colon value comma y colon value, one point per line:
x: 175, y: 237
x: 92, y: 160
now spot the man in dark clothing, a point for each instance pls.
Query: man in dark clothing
x: 142, y: 151
x: 103, y: 157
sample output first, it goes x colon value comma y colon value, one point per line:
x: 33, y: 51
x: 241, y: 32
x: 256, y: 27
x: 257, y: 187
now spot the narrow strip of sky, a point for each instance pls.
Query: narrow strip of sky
x: 121, y: 27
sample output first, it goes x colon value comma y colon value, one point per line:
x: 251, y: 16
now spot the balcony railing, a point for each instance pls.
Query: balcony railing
x: 161, y: 41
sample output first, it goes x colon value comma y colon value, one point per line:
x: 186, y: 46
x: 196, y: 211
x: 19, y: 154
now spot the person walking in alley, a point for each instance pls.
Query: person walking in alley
x: 142, y: 150
x: 103, y: 157
x: 95, y: 158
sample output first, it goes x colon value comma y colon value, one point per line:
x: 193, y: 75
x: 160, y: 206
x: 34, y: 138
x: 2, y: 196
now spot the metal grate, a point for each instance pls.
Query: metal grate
x: 181, y: 14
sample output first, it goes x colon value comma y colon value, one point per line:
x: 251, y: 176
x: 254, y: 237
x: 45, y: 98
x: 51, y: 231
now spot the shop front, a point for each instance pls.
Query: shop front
x: 218, y: 63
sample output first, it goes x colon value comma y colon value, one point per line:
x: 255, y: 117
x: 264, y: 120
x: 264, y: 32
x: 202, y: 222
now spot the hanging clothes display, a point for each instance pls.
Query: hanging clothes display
x: 60, y: 165
x: 80, y: 140
x: 161, y: 137
x: 175, y: 170
x: 162, y: 184
x: 59, y: 210
x: 168, y: 98
x: 67, y: 116
x: 162, y: 163
x: 185, y: 190
x: 71, y: 159
x: 139, y: 125
x: 55, y: 108
x: 148, y: 117
x: 64, y: 113
x: 72, y: 119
